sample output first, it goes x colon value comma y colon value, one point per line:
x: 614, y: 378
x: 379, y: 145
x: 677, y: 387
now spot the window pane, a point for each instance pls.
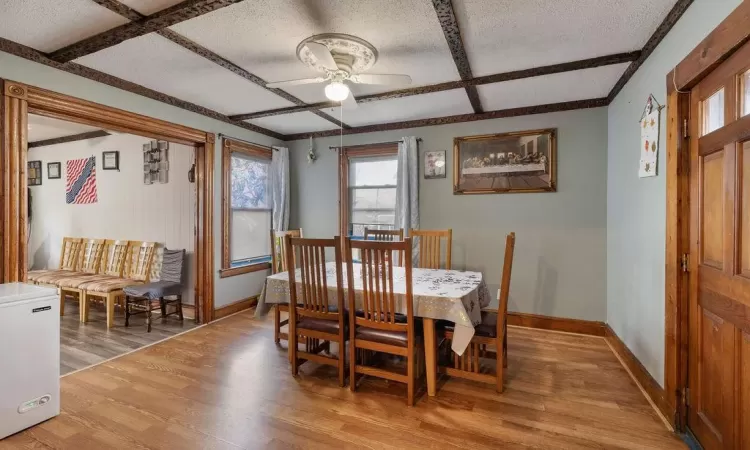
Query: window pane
x: 249, y: 182
x: 250, y: 234
x: 379, y: 198
x: 746, y: 93
x: 713, y: 112
x: 373, y: 219
x: 373, y: 171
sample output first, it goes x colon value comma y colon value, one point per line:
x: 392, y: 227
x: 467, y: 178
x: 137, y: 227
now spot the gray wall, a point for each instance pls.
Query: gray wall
x: 636, y: 208
x: 559, y: 267
x: 228, y: 290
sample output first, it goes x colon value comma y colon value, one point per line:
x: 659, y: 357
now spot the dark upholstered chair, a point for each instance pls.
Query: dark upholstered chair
x: 147, y: 297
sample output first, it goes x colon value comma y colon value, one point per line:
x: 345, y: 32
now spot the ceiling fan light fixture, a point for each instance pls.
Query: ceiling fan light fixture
x: 337, y: 91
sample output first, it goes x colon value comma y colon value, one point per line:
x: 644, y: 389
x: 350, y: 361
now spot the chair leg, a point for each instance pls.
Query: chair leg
x: 179, y: 306
x: 148, y: 318
x: 276, y: 324
x: 127, y: 311
x: 410, y: 374
x: 84, y: 306
x: 163, y: 306
x: 62, y: 303
x: 342, y: 358
x: 110, y: 310
x: 505, y: 347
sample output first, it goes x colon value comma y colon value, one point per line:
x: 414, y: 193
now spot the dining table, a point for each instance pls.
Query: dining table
x: 437, y: 294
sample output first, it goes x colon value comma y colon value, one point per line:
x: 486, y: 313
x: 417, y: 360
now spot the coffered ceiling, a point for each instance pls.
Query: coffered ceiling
x: 465, y: 57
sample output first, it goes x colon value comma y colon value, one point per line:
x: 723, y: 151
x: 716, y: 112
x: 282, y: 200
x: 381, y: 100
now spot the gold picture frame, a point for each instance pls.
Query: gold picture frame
x: 516, y: 162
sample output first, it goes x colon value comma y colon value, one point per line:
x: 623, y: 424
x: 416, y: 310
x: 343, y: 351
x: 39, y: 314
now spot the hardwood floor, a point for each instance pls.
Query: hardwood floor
x: 82, y: 345
x: 227, y: 385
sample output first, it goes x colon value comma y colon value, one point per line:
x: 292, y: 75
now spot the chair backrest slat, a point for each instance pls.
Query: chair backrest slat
x: 278, y: 250
x: 378, y: 308
x: 310, y: 292
x: 430, y: 242
x: 91, y: 255
x: 113, y: 260
x: 502, y: 308
x: 387, y: 236
x: 138, y: 260
x: 69, y: 253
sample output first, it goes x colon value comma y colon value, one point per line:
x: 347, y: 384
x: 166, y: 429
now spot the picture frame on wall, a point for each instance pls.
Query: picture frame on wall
x: 34, y: 173
x: 518, y: 162
x: 54, y: 170
x: 434, y: 164
x: 111, y: 160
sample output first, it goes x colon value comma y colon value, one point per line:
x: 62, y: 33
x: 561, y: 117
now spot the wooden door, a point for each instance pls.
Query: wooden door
x: 719, y: 343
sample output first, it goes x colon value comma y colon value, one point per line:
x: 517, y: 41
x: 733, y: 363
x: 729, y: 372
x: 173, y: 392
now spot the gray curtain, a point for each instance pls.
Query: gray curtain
x: 407, y: 189
x: 279, y: 179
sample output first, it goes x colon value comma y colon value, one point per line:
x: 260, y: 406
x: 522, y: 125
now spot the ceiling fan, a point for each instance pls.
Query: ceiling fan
x: 342, y: 59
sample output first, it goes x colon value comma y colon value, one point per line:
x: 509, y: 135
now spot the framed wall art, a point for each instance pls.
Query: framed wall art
x: 54, y: 170
x: 34, y: 173
x: 434, y: 164
x: 111, y: 160
x: 524, y: 161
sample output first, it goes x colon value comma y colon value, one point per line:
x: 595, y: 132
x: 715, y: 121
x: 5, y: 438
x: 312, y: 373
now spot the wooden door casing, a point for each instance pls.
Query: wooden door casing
x: 719, y: 343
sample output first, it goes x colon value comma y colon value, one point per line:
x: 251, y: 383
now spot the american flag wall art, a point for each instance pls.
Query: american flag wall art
x: 80, y: 187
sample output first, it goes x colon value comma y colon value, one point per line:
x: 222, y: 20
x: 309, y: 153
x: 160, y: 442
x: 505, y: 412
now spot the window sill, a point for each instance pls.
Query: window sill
x: 233, y: 271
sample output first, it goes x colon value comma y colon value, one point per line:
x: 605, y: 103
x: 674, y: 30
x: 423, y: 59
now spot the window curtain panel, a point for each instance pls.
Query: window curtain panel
x: 280, y: 188
x: 407, y: 189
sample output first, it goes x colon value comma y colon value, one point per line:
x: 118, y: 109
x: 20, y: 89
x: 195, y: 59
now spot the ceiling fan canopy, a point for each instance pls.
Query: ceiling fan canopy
x: 341, y: 58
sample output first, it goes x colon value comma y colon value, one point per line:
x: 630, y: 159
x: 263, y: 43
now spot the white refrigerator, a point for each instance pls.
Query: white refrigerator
x: 29, y: 356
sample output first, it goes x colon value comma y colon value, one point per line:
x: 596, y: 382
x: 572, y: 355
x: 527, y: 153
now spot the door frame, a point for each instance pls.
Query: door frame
x: 721, y: 43
x: 18, y: 100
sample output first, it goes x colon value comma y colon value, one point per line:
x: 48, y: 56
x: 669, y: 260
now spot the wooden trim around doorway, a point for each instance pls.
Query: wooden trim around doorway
x: 724, y: 40
x: 19, y: 99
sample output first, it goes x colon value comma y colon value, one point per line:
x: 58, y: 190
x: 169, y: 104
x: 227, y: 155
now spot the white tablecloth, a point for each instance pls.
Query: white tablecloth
x: 449, y: 295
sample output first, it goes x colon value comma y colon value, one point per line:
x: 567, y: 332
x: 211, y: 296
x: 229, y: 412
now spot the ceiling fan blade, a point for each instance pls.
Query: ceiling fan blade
x: 298, y: 82
x: 323, y: 55
x: 375, y: 78
x: 349, y: 102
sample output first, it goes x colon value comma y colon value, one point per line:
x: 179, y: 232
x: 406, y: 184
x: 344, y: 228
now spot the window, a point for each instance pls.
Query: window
x: 713, y: 112
x: 247, y: 205
x: 368, y: 188
x: 745, y: 92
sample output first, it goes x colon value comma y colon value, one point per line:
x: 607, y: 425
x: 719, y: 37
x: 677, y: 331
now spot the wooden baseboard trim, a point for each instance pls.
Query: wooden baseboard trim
x: 235, y: 307
x: 589, y: 327
x: 647, y: 383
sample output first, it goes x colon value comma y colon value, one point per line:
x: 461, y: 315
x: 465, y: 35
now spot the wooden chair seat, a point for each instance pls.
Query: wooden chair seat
x: 75, y: 281
x: 33, y: 275
x: 322, y: 325
x: 387, y: 337
x: 107, y: 285
x: 52, y: 276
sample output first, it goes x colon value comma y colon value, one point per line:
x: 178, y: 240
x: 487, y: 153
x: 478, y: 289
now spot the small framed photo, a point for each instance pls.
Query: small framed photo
x: 434, y: 164
x: 34, y: 173
x: 54, y: 170
x: 111, y: 160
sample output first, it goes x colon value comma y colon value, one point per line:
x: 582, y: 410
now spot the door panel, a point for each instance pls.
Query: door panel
x: 719, y: 335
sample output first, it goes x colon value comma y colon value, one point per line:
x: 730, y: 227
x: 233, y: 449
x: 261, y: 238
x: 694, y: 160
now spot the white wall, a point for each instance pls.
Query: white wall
x: 559, y: 267
x: 126, y: 208
x: 227, y: 290
x: 636, y: 208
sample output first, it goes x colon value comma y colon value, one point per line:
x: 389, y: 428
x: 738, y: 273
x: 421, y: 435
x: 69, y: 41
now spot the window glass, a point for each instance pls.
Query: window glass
x: 745, y: 83
x: 713, y: 112
x: 372, y: 193
x: 250, y: 226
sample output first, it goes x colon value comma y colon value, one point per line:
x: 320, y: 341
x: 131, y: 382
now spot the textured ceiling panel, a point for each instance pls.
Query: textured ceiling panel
x: 561, y: 87
x: 159, y: 64
x: 301, y: 122
x: 48, y: 25
x: 505, y: 35
x: 405, y: 32
x: 42, y: 128
x: 148, y: 7
x: 437, y: 104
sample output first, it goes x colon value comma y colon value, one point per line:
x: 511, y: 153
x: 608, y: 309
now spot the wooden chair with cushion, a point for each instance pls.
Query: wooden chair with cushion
x: 111, y: 266
x: 430, y: 243
x: 68, y: 260
x: 387, y: 236
x: 315, y: 317
x: 492, y: 333
x: 375, y: 324
x: 279, y: 264
x: 145, y: 298
x: 137, y: 271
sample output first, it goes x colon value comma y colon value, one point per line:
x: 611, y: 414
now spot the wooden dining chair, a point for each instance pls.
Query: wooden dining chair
x: 279, y: 264
x: 430, y: 243
x: 492, y: 332
x: 375, y: 324
x: 316, y: 317
x: 388, y: 236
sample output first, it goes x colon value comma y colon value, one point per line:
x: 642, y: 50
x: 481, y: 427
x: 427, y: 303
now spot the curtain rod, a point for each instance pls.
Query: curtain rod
x: 247, y: 142
x: 336, y: 147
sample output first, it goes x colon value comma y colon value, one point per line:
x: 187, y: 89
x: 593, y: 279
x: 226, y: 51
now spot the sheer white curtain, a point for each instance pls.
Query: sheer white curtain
x: 280, y: 188
x: 407, y: 189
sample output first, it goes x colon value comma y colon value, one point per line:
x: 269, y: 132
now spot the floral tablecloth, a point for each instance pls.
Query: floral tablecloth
x: 450, y: 295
